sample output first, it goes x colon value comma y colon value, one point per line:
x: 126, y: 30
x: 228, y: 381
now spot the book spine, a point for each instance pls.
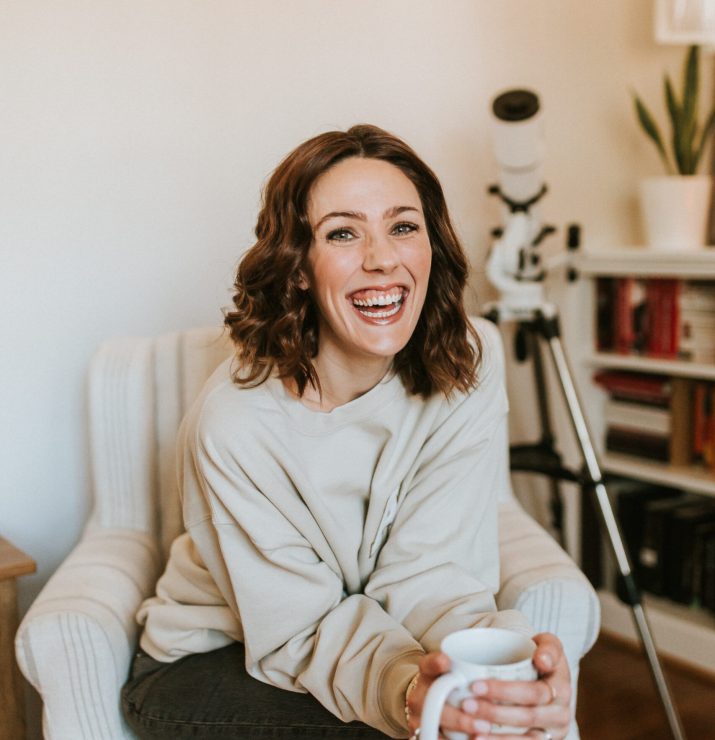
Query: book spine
x: 605, y: 317
x: 681, y: 407
x: 648, y: 446
x: 655, y: 317
x: 624, y: 318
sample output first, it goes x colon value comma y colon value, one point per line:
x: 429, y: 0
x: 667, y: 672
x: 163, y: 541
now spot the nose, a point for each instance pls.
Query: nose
x: 380, y: 254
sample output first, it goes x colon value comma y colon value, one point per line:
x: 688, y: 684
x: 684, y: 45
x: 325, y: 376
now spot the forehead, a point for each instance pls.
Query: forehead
x: 361, y: 184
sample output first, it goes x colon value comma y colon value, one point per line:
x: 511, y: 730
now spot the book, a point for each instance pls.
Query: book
x: 651, y: 563
x: 623, y: 317
x: 697, y: 295
x: 709, y: 426
x: 667, y: 308
x: 637, y: 416
x: 638, y: 444
x: 707, y: 582
x: 703, y: 534
x: 632, y: 386
x: 631, y: 499
x: 605, y: 315
x: 681, y: 421
x: 680, y: 568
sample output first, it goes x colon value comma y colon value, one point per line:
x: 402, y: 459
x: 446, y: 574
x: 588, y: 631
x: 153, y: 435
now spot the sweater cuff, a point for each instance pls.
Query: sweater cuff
x: 392, y: 686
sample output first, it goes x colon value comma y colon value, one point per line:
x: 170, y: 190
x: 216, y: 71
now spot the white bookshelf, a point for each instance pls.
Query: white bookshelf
x: 687, y: 635
x: 643, y: 262
x: 681, y: 368
x: 688, y: 477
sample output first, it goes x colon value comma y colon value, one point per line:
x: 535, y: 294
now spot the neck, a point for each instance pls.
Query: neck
x: 342, y: 382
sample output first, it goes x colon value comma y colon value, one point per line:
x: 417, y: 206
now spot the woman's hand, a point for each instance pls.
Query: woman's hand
x: 541, y: 706
x: 431, y: 667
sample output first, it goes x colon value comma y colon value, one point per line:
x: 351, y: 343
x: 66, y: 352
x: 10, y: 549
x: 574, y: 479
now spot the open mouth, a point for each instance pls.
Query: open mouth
x: 379, y: 305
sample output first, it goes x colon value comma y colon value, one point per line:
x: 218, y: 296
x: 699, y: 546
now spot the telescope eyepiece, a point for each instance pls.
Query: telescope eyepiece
x: 515, y: 105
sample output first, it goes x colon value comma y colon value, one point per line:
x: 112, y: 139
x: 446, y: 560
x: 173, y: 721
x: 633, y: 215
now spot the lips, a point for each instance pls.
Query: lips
x: 379, y: 305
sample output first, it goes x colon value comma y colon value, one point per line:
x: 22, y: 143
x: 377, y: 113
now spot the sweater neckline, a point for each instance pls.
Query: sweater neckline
x: 321, y: 422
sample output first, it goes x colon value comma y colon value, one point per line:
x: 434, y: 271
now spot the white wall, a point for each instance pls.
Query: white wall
x: 134, y: 137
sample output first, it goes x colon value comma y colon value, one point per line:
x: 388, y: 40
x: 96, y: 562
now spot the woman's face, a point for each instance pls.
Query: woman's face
x: 369, y: 262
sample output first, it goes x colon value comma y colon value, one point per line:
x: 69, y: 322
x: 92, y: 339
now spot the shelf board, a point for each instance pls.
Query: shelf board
x: 641, y: 262
x: 681, y: 368
x: 689, y: 477
x: 687, y: 635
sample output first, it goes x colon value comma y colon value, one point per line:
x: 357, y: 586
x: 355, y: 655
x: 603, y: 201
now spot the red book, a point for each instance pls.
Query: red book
x: 668, y: 310
x: 624, y: 316
x: 655, y: 318
x: 639, y: 387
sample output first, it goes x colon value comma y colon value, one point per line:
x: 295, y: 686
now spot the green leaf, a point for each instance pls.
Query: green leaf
x: 650, y: 127
x: 690, y: 84
x: 707, y: 133
x: 689, y: 110
x: 678, y: 131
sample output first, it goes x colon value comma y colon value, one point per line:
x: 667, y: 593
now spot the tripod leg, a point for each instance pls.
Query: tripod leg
x: 550, y: 330
x: 547, y: 433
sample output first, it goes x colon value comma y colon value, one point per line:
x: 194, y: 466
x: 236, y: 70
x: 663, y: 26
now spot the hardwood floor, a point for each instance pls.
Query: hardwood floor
x: 618, y: 701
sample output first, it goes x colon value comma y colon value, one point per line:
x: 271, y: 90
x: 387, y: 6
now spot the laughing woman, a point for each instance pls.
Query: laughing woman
x: 339, y: 478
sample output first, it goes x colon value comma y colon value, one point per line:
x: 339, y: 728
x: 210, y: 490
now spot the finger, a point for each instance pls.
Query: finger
x: 534, y: 733
x: 454, y: 719
x: 551, y: 715
x: 531, y: 693
x: 434, y: 664
x: 548, y: 653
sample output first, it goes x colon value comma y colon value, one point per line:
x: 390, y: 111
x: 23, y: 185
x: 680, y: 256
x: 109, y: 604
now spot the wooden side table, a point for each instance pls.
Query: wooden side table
x: 13, y: 563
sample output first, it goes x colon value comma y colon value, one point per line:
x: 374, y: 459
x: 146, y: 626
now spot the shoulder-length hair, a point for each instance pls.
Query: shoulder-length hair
x: 275, y: 322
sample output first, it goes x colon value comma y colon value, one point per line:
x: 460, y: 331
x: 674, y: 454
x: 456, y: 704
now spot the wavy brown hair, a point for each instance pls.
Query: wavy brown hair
x: 275, y: 323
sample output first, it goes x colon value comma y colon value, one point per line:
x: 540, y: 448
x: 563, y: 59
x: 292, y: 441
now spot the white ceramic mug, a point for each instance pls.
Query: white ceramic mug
x: 487, y: 652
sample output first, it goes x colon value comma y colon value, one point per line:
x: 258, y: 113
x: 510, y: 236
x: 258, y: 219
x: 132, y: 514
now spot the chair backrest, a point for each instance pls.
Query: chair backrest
x: 183, y: 363
x: 140, y: 390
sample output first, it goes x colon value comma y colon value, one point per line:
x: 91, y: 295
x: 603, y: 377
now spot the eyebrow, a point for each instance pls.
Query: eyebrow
x: 389, y: 213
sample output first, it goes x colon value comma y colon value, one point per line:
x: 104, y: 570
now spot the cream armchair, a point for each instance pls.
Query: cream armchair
x: 76, y: 642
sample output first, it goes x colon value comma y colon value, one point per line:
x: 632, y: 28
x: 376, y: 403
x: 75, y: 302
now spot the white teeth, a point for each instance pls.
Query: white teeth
x: 386, y: 299
x: 382, y: 314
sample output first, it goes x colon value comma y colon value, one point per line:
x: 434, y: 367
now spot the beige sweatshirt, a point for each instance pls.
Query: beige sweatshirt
x: 339, y: 547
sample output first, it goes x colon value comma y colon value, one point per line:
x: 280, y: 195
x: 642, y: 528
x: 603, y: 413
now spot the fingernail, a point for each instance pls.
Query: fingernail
x: 546, y: 660
x: 479, y: 688
x: 481, y: 725
x: 470, y: 706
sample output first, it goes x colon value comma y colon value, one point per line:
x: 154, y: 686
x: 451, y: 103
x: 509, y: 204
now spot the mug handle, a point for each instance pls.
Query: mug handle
x: 434, y: 701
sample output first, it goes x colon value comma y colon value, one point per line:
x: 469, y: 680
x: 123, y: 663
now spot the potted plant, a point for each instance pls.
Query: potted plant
x: 675, y: 206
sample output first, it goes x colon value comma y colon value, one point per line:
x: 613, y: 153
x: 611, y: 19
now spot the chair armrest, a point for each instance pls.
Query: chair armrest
x: 539, y: 579
x: 76, y: 642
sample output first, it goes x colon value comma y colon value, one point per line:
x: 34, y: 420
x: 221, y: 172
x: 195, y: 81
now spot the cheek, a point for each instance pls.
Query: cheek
x: 421, y: 268
x: 329, y: 275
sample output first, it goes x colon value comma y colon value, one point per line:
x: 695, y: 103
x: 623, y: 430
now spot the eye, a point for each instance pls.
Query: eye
x: 404, y: 227
x: 340, y: 235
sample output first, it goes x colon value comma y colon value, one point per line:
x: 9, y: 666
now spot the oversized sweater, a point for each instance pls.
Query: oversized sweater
x: 338, y: 547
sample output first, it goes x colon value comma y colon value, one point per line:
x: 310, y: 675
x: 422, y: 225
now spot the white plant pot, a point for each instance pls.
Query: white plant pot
x: 675, y: 211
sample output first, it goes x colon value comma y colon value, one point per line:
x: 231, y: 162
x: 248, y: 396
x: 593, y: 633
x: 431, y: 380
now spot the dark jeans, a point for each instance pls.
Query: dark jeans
x: 210, y: 695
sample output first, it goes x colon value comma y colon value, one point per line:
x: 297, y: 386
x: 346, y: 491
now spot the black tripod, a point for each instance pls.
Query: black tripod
x: 542, y: 326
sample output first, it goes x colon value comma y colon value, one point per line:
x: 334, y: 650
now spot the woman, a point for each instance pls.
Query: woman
x: 339, y: 477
